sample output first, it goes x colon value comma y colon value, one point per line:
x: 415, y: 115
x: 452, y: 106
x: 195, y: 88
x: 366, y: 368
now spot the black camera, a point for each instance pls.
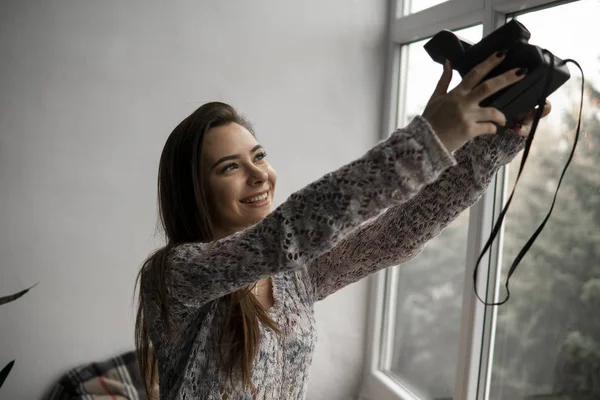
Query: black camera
x: 545, y: 72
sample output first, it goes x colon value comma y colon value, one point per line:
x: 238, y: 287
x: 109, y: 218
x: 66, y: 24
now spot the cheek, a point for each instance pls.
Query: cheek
x: 223, y: 193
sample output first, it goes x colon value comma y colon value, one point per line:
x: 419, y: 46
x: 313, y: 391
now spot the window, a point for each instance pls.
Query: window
x: 414, y: 6
x: 430, y: 339
x: 547, y: 337
x: 419, y: 75
x: 429, y: 292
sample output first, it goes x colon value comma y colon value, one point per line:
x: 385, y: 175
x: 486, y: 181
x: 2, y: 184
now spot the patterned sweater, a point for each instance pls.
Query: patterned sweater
x: 373, y: 213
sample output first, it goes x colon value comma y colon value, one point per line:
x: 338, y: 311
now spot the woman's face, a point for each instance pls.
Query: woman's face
x: 241, y: 182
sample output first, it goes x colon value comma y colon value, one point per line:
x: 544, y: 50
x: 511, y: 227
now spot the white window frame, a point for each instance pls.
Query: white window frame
x: 477, y: 321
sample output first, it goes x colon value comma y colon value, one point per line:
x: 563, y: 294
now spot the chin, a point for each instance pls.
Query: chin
x: 260, y: 216
x: 251, y: 216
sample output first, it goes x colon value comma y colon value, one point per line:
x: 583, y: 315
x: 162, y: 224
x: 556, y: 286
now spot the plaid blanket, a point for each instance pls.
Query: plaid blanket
x: 117, y: 378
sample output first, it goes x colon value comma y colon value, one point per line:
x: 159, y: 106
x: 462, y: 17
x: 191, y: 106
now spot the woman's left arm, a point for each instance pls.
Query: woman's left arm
x: 402, y: 231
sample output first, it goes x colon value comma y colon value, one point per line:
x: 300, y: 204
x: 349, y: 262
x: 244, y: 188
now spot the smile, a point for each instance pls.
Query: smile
x: 257, y: 200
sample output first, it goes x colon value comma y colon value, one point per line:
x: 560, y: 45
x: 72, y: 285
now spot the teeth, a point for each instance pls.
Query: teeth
x: 257, y: 198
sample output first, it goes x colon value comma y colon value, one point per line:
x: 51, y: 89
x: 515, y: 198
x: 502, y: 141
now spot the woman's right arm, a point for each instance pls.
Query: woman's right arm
x: 312, y: 220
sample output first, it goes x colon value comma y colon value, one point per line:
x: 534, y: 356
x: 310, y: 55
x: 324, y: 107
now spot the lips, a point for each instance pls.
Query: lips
x: 248, y: 198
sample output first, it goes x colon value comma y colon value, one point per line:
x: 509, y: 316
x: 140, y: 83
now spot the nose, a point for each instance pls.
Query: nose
x: 257, y: 176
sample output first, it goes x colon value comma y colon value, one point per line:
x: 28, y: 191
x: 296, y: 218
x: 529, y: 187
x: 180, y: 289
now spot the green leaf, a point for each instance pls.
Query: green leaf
x: 5, y: 371
x: 13, y: 297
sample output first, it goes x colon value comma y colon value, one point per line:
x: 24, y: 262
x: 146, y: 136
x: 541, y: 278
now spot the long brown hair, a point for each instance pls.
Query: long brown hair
x: 185, y: 217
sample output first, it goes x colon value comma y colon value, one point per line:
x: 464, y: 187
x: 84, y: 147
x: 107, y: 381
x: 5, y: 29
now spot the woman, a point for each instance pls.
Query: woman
x: 226, y: 307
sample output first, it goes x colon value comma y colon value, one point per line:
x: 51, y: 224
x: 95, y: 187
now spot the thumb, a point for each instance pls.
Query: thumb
x: 444, y: 82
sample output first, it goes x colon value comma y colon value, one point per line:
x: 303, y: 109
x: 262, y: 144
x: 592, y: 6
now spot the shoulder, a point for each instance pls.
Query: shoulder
x: 184, y: 252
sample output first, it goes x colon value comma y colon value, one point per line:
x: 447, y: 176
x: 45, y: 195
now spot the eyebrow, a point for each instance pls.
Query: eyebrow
x: 234, y: 156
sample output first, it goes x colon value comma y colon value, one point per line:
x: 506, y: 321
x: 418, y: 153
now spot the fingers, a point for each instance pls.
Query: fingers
x: 491, y: 114
x: 497, y: 83
x: 474, y: 77
x: 486, y: 128
x: 547, y: 109
x: 531, y: 115
x: 444, y: 82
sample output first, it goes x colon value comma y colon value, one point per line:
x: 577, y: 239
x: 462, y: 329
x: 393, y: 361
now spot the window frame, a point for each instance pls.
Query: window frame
x: 478, y: 322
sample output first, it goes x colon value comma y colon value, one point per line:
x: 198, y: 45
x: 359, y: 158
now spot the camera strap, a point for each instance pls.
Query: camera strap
x: 499, y: 222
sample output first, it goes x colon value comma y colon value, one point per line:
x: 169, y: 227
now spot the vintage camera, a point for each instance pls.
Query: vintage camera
x: 516, y: 100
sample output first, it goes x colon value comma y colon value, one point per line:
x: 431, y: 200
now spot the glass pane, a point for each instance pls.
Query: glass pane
x: 429, y: 305
x: 414, y: 6
x: 547, y: 342
x: 422, y: 75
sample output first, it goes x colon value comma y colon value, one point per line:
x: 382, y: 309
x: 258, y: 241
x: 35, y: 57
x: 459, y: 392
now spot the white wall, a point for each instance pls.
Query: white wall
x: 89, y: 91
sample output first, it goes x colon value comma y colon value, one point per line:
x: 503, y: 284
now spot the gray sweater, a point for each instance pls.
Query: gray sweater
x: 373, y: 213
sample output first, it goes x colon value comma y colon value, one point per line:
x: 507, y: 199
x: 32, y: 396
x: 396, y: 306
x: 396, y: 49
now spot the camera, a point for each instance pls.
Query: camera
x: 545, y: 72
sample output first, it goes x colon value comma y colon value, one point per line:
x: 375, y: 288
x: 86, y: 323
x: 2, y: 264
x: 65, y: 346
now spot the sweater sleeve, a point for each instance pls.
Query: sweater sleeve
x: 402, y: 231
x: 311, y: 221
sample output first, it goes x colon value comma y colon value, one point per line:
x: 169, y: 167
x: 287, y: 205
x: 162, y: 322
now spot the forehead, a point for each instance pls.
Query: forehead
x: 227, y: 140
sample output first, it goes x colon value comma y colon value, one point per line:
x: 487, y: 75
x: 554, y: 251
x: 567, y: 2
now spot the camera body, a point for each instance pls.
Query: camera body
x: 518, y: 99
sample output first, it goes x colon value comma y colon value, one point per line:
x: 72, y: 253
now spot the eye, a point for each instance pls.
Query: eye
x: 261, y: 156
x: 229, y: 167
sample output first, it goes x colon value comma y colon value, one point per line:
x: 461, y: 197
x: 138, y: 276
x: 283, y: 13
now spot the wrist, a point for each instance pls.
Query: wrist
x: 450, y: 143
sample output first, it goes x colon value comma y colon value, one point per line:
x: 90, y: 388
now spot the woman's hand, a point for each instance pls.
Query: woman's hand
x: 456, y: 116
x: 523, y: 127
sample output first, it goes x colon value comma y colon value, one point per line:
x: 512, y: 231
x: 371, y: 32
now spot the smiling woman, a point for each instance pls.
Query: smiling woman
x: 223, y: 192
x: 241, y: 181
x: 214, y: 339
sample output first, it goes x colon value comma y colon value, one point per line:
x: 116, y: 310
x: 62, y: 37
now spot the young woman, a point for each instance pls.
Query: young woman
x: 226, y: 307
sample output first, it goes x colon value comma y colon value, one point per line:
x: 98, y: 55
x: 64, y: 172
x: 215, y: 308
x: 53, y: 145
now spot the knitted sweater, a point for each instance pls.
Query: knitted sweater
x: 373, y: 213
